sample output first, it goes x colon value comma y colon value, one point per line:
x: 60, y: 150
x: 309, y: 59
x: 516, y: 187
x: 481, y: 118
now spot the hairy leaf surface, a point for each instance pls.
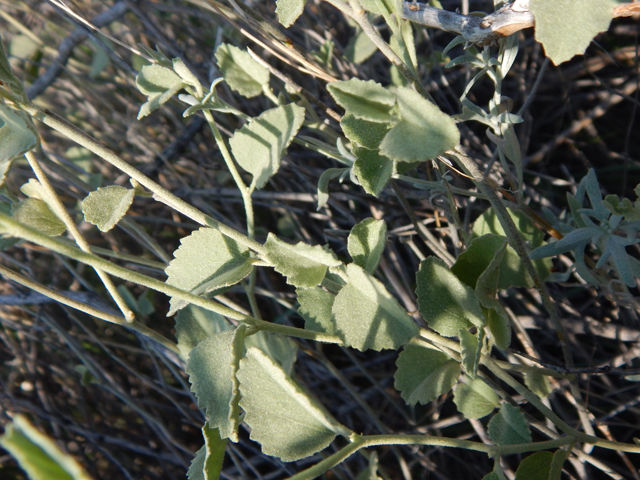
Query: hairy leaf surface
x: 36, y: 214
x: 258, y: 146
x: 366, y: 243
x: 509, y: 426
x: 212, y: 368
x: 368, y: 316
x: 316, y: 307
x: 566, y: 27
x: 303, y: 265
x: 444, y: 301
x: 206, y: 260
x: 241, y: 72
x: 283, y: 419
x: 423, y: 133
x: 17, y: 135
x: 424, y: 374
x: 105, y: 206
x: 366, y: 100
x: 475, y: 399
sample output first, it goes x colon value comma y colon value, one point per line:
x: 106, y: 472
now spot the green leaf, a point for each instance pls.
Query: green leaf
x: 475, y: 399
x: 556, y: 465
x: 315, y: 307
x: 283, y: 419
x: 36, y: 214
x: 538, y: 384
x: 195, y: 324
x: 366, y: 100
x: 303, y: 265
x: 566, y: 27
x: 366, y: 243
x: 289, y: 10
x: 535, y: 467
x: 476, y: 258
x: 423, y: 133
x: 258, y: 146
x: 500, y: 328
x: 159, y: 84
x: 105, y: 206
x: 241, y: 72
x: 359, y: 48
x: 37, y: 454
x: 207, y: 464
x: 374, y: 6
x: 509, y: 426
x: 281, y: 349
x: 206, y: 260
x: 363, y: 132
x: 372, y: 169
x: 212, y: 368
x: 471, y: 350
x: 512, y: 271
x: 444, y: 301
x: 486, y: 292
x: 368, y: 316
x: 23, y: 46
x: 323, y: 184
x: 424, y: 374
x: 17, y: 134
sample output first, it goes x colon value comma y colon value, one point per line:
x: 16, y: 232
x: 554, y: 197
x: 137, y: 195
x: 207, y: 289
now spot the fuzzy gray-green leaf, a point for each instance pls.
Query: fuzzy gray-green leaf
x: 303, y: 265
x: 212, y: 368
x: 368, y: 316
x: 289, y: 10
x: 16, y: 134
x: 424, y: 374
x: 509, y: 426
x: 372, y: 169
x: 283, y: 419
x: 258, y: 146
x: 366, y: 243
x: 423, y: 133
x: 444, y: 301
x: 195, y: 324
x: 36, y: 214
x: 206, y: 260
x: 105, y: 206
x: 315, y: 307
x: 366, y: 100
x: 241, y: 72
x: 475, y: 399
x: 566, y: 27
x: 159, y: 84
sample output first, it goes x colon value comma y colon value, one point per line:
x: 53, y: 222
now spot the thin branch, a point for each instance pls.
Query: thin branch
x: 481, y: 31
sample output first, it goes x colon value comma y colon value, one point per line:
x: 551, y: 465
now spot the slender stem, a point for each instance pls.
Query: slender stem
x: 70, y: 131
x: 516, y: 242
x: 9, y: 225
x: 89, y: 310
x: 61, y: 212
x: 360, y: 442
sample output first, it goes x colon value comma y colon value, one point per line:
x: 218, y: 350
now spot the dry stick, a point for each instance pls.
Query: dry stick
x: 578, y: 125
x: 506, y: 21
x: 66, y: 48
x: 61, y: 212
x: 516, y: 242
